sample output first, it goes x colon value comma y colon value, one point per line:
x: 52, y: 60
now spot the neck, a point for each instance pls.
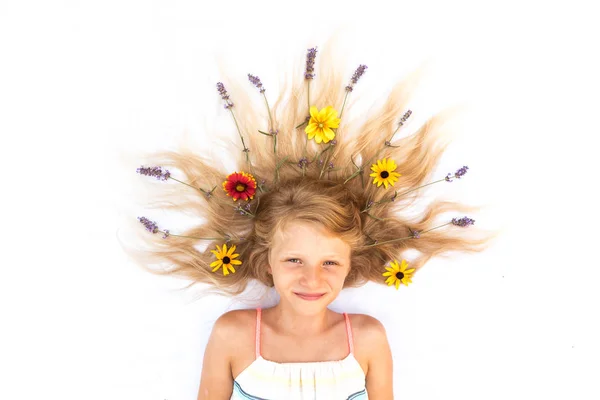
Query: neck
x: 291, y: 323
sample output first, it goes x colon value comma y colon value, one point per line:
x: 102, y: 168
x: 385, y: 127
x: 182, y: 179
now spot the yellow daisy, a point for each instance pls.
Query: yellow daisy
x: 321, y: 123
x: 383, y: 172
x: 225, y: 259
x: 398, y: 274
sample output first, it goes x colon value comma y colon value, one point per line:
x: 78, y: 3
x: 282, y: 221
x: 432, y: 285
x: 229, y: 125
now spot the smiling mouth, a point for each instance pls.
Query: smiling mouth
x: 309, y: 296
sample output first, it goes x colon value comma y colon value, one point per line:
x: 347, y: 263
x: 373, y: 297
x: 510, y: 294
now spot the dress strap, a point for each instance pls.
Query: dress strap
x: 258, y: 315
x: 349, y: 331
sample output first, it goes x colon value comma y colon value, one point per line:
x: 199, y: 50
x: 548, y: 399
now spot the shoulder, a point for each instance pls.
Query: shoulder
x: 367, y: 332
x: 230, y: 322
x: 369, y: 328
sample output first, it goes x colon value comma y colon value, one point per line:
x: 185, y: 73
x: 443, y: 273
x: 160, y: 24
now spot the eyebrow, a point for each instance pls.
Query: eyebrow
x: 293, y: 254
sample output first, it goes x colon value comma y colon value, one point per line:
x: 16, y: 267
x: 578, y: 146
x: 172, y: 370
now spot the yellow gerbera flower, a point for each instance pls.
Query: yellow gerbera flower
x: 383, y: 172
x: 398, y: 274
x: 225, y: 259
x: 321, y: 123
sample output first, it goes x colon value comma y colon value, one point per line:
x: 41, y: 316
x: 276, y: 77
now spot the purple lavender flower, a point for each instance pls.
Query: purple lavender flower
x: 464, y: 221
x: 224, y: 95
x: 256, y: 82
x: 460, y: 172
x: 330, y: 166
x: 154, y: 171
x: 166, y: 234
x: 415, y: 234
x: 357, y: 74
x: 310, y: 63
x: 150, y: 226
x: 405, y: 117
x: 303, y: 162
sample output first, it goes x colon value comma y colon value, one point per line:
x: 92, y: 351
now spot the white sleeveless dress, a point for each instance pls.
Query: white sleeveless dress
x: 321, y: 380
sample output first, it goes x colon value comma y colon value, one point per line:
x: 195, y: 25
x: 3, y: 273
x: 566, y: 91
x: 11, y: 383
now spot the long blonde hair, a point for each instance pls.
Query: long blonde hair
x: 319, y: 191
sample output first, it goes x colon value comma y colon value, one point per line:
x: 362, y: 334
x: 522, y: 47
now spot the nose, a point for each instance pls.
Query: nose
x: 312, y: 274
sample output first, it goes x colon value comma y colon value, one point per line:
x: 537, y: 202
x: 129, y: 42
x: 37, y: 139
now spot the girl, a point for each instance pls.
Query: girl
x: 301, y: 348
x: 302, y: 216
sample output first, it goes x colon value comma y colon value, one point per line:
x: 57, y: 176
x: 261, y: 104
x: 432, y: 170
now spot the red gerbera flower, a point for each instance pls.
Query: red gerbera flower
x: 240, y: 185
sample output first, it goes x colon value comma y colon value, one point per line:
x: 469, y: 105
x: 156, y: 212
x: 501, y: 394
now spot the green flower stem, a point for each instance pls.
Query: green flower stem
x: 401, y: 194
x: 277, y: 167
x: 269, y: 110
x: 431, y: 183
x: 245, y: 150
x: 325, y: 161
x: 271, y: 127
x: 344, y: 104
x: 216, y: 198
x: 244, y: 211
x: 193, y: 187
x: 240, y: 133
x: 308, y: 94
x: 404, y: 238
x: 306, y: 121
x: 193, y: 237
x: 353, y: 175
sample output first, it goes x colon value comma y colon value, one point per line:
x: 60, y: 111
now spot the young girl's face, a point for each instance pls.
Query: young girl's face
x: 306, y: 259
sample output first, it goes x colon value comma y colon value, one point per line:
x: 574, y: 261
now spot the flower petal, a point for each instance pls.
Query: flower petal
x: 311, y: 127
x: 314, y: 112
x: 330, y: 113
x: 231, y: 250
x: 329, y: 134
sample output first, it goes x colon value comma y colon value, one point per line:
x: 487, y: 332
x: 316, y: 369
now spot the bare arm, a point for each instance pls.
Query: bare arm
x: 216, y: 382
x: 379, y: 373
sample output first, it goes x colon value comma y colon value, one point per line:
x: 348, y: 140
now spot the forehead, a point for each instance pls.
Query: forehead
x: 306, y: 236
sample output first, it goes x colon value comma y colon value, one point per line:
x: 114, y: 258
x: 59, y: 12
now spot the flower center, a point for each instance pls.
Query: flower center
x: 320, y: 125
x: 226, y: 260
x: 240, y: 187
x: 384, y: 174
x: 399, y: 275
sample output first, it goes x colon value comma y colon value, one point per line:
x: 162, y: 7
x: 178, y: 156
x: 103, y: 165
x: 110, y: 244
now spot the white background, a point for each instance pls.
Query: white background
x: 82, y: 83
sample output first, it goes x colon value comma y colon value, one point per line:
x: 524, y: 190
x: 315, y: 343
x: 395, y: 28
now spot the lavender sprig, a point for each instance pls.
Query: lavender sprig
x: 463, y: 222
x: 310, y: 63
x: 309, y: 73
x: 357, y: 74
x: 153, y: 228
x: 160, y: 175
x: 154, y: 171
x: 256, y: 82
x: 224, y: 95
x: 272, y: 131
x: 229, y: 106
x: 458, y: 174
x: 387, y: 143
